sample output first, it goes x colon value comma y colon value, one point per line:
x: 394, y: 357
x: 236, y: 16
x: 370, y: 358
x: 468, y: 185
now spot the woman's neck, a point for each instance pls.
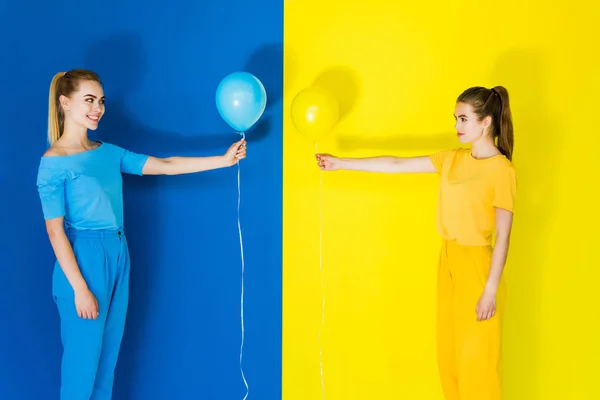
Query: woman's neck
x: 75, y: 136
x: 484, y: 148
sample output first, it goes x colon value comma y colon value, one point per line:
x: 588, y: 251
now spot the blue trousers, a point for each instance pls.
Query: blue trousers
x: 91, y: 347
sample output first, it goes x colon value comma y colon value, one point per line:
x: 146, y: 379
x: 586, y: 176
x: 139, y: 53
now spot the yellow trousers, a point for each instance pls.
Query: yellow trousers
x: 469, y: 351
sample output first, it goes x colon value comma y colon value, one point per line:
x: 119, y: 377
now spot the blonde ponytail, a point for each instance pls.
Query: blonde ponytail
x: 56, y: 117
x: 64, y: 84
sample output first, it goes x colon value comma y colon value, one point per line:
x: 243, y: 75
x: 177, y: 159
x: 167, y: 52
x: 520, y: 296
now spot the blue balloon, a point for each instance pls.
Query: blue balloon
x: 241, y: 100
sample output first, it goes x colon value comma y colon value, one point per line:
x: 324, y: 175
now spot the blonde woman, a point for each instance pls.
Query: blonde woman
x: 80, y: 187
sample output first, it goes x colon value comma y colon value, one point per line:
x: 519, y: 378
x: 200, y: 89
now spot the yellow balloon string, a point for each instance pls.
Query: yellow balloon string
x: 321, y: 272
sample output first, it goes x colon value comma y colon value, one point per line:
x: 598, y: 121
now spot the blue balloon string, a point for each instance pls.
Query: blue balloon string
x: 243, y: 268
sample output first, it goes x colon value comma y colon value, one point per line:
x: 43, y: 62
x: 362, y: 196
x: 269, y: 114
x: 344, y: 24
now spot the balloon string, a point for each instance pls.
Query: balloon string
x: 321, y: 273
x: 243, y: 268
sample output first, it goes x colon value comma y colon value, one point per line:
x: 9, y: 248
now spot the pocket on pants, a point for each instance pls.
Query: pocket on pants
x: 91, y: 261
x: 481, y: 262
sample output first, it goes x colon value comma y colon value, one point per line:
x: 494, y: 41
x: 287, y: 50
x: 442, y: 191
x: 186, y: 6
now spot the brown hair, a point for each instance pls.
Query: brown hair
x: 493, y: 102
x: 64, y: 84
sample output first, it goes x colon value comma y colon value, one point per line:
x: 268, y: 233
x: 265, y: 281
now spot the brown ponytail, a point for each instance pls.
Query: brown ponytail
x: 495, y: 103
x: 63, y: 84
x: 505, y: 125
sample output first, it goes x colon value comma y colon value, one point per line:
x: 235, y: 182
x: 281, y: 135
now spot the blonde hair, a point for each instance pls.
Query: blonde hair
x: 63, y: 84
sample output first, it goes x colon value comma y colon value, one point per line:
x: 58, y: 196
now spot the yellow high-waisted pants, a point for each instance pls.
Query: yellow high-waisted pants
x: 469, y: 351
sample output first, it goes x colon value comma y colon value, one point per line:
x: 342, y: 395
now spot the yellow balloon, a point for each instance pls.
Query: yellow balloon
x: 315, y: 112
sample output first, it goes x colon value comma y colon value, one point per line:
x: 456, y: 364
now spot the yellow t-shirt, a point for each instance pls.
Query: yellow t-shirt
x: 470, y: 189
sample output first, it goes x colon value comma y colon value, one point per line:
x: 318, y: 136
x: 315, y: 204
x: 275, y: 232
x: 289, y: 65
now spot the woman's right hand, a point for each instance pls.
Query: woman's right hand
x: 86, y: 304
x: 327, y: 162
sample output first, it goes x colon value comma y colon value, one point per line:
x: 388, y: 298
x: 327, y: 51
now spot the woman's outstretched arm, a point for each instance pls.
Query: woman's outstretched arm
x: 189, y: 165
x: 385, y: 164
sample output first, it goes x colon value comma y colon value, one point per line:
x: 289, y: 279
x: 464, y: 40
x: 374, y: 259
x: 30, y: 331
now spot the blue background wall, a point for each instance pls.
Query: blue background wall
x: 161, y: 66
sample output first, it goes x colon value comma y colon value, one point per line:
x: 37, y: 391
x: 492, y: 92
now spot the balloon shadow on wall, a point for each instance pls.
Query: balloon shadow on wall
x: 523, y: 73
x: 266, y: 63
x: 345, y: 85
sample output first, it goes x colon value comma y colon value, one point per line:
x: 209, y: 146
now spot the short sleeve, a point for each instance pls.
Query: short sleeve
x: 440, y: 157
x: 505, y: 189
x: 132, y: 163
x: 51, y: 189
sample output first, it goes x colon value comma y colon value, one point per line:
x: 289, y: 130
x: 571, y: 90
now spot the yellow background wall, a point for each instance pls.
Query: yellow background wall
x: 397, y: 69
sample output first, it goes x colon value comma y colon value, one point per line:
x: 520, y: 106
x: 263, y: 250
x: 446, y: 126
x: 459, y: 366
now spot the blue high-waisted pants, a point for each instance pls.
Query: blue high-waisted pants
x: 91, y: 347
